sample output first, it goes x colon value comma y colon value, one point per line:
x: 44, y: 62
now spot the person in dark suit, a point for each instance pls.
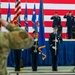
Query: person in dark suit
x: 34, y: 52
x: 56, y: 20
x: 73, y: 30
x: 54, y: 41
x: 17, y: 57
x: 69, y: 23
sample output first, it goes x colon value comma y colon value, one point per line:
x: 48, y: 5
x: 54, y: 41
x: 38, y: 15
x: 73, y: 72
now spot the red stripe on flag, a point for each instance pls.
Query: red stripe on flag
x: 30, y: 11
x: 7, y: 0
x: 45, y: 1
x: 46, y: 23
x: 5, y: 10
x: 49, y: 24
x: 53, y: 1
x: 60, y: 12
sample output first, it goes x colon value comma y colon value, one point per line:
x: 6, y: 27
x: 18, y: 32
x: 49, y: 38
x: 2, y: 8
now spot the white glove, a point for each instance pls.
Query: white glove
x: 39, y: 52
x: 35, y: 46
x: 54, y: 47
x: 22, y: 49
x: 36, y: 39
x: 56, y: 40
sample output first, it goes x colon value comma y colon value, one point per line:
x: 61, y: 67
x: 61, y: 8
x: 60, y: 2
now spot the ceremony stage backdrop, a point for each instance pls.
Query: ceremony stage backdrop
x: 66, y: 55
x: 67, y: 48
x: 49, y: 8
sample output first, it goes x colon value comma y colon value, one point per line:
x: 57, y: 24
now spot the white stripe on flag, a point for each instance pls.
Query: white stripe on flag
x: 46, y: 6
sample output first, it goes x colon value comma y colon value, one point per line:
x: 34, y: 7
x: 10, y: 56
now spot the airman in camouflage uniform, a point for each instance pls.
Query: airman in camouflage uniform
x: 16, y: 38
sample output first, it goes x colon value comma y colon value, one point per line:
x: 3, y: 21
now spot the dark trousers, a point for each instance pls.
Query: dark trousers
x: 54, y: 59
x: 60, y: 30
x: 34, y: 61
x: 17, y: 56
x: 69, y: 32
x: 73, y: 35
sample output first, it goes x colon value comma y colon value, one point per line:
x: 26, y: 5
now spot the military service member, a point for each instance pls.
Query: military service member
x: 73, y: 30
x: 54, y: 41
x: 17, y: 58
x: 34, y: 52
x: 16, y: 38
x: 57, y: 22
x: 69, y: 23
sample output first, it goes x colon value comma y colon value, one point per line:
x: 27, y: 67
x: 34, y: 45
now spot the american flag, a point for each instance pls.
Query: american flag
x: 50, y: 7
x: 17, y: 12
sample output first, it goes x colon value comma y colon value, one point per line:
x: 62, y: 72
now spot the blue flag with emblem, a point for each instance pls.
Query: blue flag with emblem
x: 8, y: 15
x: 26, y: 51
x: 41, y: 31
x: 26, y: 18
x: 34, y: 19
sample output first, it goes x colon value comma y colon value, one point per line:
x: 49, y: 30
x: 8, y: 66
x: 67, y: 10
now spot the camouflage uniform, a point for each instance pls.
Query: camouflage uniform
x: 16, y: 38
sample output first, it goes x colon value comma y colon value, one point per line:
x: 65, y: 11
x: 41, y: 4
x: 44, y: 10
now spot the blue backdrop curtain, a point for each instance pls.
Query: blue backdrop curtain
x: 66, y: 55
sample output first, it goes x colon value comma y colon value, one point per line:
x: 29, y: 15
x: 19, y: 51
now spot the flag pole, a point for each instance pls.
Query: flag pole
x: 41, y: 31
x: 9, y: 16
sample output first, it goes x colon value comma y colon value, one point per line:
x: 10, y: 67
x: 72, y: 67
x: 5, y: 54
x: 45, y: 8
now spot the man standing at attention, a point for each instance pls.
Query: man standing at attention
x: 69, y: 23
x: 54, y: 41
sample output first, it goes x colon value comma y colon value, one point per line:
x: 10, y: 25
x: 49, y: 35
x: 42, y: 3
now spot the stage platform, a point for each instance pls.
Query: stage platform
x: 44, y: 70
